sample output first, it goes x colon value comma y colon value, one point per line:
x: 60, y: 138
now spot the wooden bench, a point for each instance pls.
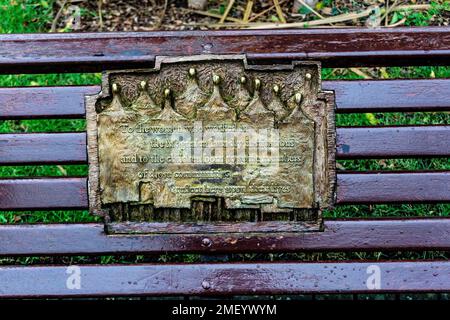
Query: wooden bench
x: 52, y: 53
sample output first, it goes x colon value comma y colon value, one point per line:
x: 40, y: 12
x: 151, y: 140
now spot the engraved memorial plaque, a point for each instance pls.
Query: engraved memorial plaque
x: 212, y: 144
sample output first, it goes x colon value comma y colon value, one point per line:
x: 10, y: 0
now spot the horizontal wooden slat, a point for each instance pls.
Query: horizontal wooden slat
x: 351, y: 96
x: 338, y: 235
x: 392, y: 187
x: 352, y: 143
x: 236, y: 278
x: 352, y: 188
x: 27, y: 53
x: 43, y: 148
x: 48, y: 193
x: 393, y: 142
x: 44, y: 102
x: 390, y: 95
x: 213, y: 227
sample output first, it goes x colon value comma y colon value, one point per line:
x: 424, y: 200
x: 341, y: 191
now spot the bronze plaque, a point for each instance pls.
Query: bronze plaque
x: 211, y: 139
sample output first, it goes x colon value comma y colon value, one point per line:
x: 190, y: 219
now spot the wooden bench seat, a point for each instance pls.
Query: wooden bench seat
x: 64, y: 52
x: 226, y: 279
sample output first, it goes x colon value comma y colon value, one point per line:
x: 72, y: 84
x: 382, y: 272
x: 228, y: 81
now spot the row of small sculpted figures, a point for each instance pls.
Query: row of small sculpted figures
x: 191, y: 103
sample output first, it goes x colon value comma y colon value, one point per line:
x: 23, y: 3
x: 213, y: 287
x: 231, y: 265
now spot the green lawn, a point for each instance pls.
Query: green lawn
x: 34, y: 16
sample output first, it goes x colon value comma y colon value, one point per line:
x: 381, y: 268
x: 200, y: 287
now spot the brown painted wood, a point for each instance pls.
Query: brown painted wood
x: 393, y: 187
x: 43, y: 148
x: 93, y: 52
x: 352, y: 188
x: 48, y: 193
x: 44, y: 102
x: 393, y: 142
x: 352, y: 143
x: 213, y: 227
x: 351, y: 96
x: 338, y: 235
x: 226, y: 279
x: 390, y: 95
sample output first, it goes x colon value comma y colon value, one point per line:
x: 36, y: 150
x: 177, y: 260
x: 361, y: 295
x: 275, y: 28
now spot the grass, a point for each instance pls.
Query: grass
x: 24, y: 16
x: 35, y: 16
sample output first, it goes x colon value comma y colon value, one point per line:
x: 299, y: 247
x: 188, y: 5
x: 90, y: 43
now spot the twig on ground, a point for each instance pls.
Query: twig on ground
x: 227, y: 11
x: 398, y: 23
x: 264, y: 11
x: 62, y: 170
x: 417, y: 7
x: 58, y: 15
x: 213, y: 15
x: 360, y: 73
x: 163, y: 13
x: 248, y: 11
x: 386, y: 22
x: 100, y: 16
x: 240, y: 24
x: 389, y: 10
x: 311, y: 9
x: 276, y: 3
x: 413, y: 7
x: 334, y: 19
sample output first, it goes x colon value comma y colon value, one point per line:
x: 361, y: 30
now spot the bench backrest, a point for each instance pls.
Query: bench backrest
x: 50, y: 53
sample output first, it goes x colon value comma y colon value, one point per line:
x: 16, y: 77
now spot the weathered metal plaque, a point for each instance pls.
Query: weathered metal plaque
x: 211, y: 138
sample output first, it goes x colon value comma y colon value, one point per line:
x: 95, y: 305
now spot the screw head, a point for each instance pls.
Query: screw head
x: 206, y: 285
x: 206, y: 242
x: 308, y: 76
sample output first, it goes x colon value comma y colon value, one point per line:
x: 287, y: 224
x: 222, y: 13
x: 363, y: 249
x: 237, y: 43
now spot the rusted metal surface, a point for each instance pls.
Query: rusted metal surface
x: 252, y: 137
x: 228, y: 279
x: 337, y: 235
x: 95, y: 52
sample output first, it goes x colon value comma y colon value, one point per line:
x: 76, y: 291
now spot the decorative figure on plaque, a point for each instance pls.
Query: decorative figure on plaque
x: 199, y: 148
x: 117, y: 104
x: 256, y: 112
x: 144, y: 103
x: 242, y: 97
x: 276, y: 105
x: 168, y: 113
x: 216, y: 109
x: 192, y: 98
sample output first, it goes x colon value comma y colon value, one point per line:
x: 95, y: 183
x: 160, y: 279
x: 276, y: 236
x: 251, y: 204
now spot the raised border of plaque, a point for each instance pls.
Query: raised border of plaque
x: 212, y: 144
